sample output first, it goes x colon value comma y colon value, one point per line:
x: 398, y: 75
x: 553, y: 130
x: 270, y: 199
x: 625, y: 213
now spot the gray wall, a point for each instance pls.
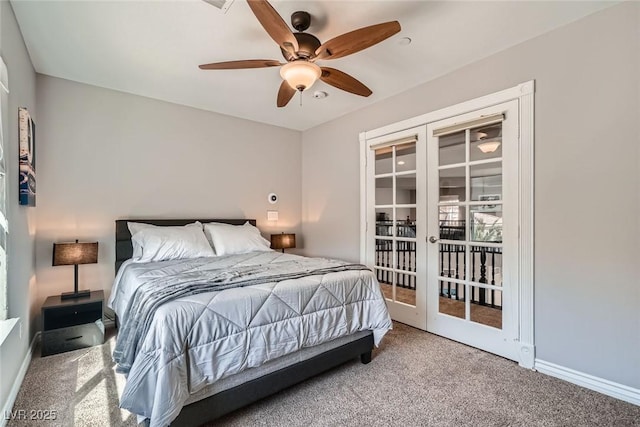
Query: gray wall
x: 106, y: 155
x: 21, y: 259
x: 587, y: 185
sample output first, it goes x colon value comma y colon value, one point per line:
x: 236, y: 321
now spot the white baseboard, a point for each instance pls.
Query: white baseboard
x: 13, y: 394
x: 610, y: 388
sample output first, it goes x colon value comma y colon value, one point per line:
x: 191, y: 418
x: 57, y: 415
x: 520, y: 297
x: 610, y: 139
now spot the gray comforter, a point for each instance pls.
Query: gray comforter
x: 190, y: 323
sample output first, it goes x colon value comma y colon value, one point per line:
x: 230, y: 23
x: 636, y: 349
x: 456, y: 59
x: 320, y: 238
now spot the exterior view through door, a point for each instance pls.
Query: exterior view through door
x: 447, y: 227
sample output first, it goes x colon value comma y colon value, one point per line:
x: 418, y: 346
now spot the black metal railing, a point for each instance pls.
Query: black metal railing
x: 406, y: 253
x: 452, y: 230
x: 485, y: 266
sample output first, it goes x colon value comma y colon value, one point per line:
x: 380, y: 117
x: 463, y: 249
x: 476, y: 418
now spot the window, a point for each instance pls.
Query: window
x: 449, y: 213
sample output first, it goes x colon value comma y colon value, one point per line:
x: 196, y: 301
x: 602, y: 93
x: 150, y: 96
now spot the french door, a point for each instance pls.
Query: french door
x: 396, y: 221
x: 447, y: 203
x: 472, y: 211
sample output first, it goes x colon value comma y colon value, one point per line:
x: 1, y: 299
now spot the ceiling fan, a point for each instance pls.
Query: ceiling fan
x: 302, y: 50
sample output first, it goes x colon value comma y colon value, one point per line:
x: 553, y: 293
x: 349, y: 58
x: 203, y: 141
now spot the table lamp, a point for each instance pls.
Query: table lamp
x: 283, y: 241
x: 75, y: 254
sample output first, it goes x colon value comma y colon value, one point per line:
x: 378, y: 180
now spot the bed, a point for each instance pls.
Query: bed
x: 271, y: 360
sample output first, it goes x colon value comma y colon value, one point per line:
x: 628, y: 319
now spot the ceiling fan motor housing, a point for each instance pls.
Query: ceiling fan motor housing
x: 307, y: 46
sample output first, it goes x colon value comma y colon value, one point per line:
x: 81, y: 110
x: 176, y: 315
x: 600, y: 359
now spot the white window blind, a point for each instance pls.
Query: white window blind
x: 401, y: 141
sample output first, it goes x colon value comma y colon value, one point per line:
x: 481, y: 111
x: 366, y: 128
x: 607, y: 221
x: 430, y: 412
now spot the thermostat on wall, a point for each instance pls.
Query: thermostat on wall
x: 273, y: 198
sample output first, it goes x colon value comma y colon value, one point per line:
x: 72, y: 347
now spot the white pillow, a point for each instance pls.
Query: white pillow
x: 134, y: 227
x: 235, y: 239
x: 157, y: 243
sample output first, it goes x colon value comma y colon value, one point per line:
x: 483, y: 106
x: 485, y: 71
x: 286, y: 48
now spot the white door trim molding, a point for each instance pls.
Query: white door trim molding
x: 516, y: 92
x: 363, y: 197
x: 525, y: 233
x: 524, y: 93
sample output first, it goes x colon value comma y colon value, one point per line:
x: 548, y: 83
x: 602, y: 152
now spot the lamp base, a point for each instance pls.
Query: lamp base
x: 73, y: 295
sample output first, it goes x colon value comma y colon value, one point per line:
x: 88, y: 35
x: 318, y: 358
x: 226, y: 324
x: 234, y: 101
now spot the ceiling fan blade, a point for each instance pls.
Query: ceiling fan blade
x: 344, y: 81
x: 285, y: 93
x: 235, y: 65
x: 357, y: 40
x: 274, y: 25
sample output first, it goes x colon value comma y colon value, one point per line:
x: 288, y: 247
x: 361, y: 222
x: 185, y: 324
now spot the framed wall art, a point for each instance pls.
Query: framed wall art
x: 27, y: 140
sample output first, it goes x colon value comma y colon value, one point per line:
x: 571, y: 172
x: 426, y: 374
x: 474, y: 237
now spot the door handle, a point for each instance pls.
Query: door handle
x: 433, y: 239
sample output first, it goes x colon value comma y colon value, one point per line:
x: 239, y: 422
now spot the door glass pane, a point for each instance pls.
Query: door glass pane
x: 385, y: 278
x: 406, y: 222
x: 451, y: 300
x: 406, y: 157
x: 486, y: 181
x: 452, y: 222
x: 384, y: 222
x: 406, y: 258
x: 384, y: 191
x: 451, y: 261
x: 406, y: 190
x: 486, y: 265
x: 406, y: 288
x: 486, y: 306
x: 452, y: 184
x: 486, y: 223
x: 486, y: 142
x: 384, y: 253
x: 384, y: 159
x: 452, y: 148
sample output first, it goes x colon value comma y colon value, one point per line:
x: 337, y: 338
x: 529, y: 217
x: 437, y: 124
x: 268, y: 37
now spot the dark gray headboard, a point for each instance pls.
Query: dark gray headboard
x: 124, y: 249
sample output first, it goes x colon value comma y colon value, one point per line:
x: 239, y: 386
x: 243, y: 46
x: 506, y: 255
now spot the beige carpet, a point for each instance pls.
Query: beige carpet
x: 415, y: 379
x: 80, y: 386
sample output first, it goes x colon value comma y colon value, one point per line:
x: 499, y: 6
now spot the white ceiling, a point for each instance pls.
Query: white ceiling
x: 153, y: 48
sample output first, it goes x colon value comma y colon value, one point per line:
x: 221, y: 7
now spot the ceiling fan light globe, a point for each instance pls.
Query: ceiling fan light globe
x: 300, y: 75
x: 489, y: 146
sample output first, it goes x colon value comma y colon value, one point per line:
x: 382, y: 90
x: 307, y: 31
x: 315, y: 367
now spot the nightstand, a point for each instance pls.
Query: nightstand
x: 72, y: 323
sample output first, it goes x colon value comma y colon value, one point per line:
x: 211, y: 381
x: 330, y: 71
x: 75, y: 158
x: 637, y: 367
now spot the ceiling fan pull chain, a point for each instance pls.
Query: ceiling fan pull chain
x: 300, y: 97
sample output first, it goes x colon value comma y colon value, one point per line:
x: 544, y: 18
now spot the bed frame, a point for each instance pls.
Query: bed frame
x: 217, y: 405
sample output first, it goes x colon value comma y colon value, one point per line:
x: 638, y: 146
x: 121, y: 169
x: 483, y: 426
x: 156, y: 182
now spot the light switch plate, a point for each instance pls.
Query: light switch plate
x: 272, y: 215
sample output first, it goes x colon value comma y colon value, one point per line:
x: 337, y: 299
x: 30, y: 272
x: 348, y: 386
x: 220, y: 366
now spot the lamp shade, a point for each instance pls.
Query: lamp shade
x: 283, y: 241
x: 75, y: 253
x: 300, y: 75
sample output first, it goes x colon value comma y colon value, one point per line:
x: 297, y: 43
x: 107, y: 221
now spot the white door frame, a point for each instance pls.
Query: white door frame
x: 524, y: 93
